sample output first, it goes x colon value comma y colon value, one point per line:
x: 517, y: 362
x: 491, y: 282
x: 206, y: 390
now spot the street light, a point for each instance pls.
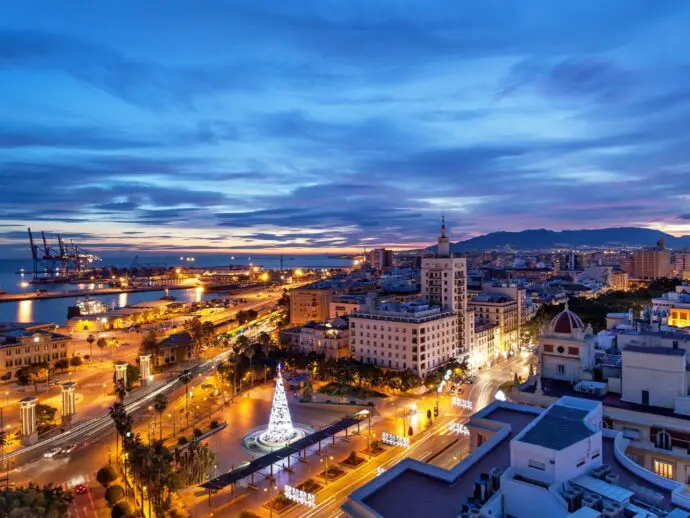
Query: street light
x: 270, y: 502
x: 326, y: 472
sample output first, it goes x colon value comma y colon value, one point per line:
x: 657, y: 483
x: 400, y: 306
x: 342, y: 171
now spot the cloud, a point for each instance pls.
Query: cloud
x: 325, y: 125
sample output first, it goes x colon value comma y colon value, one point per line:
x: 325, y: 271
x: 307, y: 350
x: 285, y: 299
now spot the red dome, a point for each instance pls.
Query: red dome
x: 566, y: 321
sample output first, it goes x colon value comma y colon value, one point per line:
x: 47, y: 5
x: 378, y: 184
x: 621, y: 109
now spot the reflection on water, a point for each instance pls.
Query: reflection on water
x: 55, y: 310
x: 25, y: 311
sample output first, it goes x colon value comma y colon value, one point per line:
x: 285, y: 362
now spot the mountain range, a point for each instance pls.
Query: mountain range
x: 542, y: 239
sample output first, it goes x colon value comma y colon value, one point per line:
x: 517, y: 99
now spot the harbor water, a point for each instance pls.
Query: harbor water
x: 55, y: 310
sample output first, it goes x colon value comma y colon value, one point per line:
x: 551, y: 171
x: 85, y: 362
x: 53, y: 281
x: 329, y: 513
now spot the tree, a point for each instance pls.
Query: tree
x: 150, y: 344
x: 101, y: 343
x: 106, y: 475
x: 45, y: 416
x: 113, y: 343
x: 34, y: 501
x: 194, y: 463
x: 61, y: 364
x: 160, y: 403
x: 114, y: 494
x: 242, y: 342
x: 265, y: 340
x: 90, y: 340
x: 133, y: 375
x: 75, y: 361
x: 249, y: 353
x: 410, y: 380
x: 33, y: 374
x: 122, y: 421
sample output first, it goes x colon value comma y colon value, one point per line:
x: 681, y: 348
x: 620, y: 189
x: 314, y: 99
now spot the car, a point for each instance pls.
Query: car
x: 69, y: 448
x: 52, y: 452
x: 80, y: 489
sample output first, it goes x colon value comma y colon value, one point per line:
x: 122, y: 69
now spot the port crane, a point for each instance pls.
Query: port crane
x: 66, y: 259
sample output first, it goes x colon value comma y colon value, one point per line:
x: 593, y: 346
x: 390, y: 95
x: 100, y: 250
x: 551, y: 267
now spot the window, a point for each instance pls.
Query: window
x: 560, y: 349
x: 561, y: 369
x: 548, y: 348
x: 573, y: 351
x: 663, y: 440
x: 663, y: 468
x: 536, y: 464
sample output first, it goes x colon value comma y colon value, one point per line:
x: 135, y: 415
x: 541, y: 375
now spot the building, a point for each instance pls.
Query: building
x: 444, y: 283
x: 331, y: 339
x: 501, y: 311
x: 657, y: 441
x: 527, y: 462
x: 311, y: 303
x: 343, y: 305
x: 566, y: 348
x: 380, y: 258
x: 650, y: 263
x: 24, y: 344
x: 619, y: 281
x: 402, y: 336
x: 682, y: 263
x: 485, y: 348
x: 674, y: 306
x: 124, y: 317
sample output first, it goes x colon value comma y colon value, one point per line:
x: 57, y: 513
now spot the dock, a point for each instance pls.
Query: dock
x: 13, y: 297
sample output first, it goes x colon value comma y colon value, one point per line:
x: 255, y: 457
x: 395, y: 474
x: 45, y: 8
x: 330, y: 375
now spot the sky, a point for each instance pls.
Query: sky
x: 328, y: 126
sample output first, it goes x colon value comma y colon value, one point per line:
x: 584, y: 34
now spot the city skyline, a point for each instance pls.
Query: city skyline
x: 327, y: 128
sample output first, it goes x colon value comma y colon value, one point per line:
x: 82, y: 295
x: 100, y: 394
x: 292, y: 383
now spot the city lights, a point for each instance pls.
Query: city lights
x: 395, y: 440
x: 299, y: 496
x: 465, y: 404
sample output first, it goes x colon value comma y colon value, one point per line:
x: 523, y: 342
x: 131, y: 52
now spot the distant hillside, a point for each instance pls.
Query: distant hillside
x: 543, y: 239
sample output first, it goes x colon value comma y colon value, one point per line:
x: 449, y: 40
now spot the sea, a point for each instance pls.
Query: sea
x: 55, y: 310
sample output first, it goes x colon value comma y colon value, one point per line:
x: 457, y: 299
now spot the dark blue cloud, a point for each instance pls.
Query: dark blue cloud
x: 330, y: 124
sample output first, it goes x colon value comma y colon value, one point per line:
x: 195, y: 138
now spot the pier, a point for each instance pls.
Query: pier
x: 13, y: 297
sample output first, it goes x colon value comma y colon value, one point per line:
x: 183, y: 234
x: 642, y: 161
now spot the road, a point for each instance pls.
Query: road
x: 95, y: 427
x: 433, y: 443
x: 423, y: 447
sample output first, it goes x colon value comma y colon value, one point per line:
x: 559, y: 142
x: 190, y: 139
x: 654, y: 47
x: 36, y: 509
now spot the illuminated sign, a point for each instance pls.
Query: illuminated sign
x: 395, y: 440
x: 462, y: 403
x: 299, y: 496
x: 459, y: 428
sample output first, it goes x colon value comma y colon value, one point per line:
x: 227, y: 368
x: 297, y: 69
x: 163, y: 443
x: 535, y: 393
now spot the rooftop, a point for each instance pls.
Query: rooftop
x: 413, y: 492
x: 666, y: 351
x: 557, y: 428
x: 413, y: 488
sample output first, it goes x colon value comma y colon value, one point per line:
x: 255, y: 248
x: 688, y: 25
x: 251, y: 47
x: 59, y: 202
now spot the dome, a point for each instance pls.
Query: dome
x: 566, y: 321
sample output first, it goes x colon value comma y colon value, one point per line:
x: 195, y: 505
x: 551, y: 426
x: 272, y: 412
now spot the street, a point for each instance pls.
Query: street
x: 433, y: 443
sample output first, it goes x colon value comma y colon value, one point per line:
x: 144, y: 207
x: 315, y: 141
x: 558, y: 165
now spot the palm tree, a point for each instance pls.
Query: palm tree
x: 160, y: 403
x: 265, y: 340
x: 242, y: 342
x: 249, y: 353
x: 123, y: 424
x: 90, y: 340
x: 113, y: 343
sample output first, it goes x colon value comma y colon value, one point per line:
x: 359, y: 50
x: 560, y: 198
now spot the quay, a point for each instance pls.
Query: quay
x: 12, y: 297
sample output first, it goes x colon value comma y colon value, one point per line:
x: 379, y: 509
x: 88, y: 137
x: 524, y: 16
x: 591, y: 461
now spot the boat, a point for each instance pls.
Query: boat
x: 168, y: 297
x: 89, y: 306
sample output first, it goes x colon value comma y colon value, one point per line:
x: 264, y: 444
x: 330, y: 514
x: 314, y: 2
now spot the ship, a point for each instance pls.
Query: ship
x: 86, y: 307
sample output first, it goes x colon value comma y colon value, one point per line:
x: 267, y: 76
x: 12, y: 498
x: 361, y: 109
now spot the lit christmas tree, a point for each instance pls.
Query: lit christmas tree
x: 280, y: 428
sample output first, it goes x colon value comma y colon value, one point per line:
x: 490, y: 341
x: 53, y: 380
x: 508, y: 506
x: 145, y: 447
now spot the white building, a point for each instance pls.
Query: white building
x: 444, y: 283
x: 403, y: 336
x: 566, y: 348
x: 528, y: 462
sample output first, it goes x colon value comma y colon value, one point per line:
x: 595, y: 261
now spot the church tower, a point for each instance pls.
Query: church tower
x: 443, y: 241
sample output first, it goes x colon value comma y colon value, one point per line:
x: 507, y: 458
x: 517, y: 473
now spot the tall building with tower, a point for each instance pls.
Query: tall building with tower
x: 444, y: 283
